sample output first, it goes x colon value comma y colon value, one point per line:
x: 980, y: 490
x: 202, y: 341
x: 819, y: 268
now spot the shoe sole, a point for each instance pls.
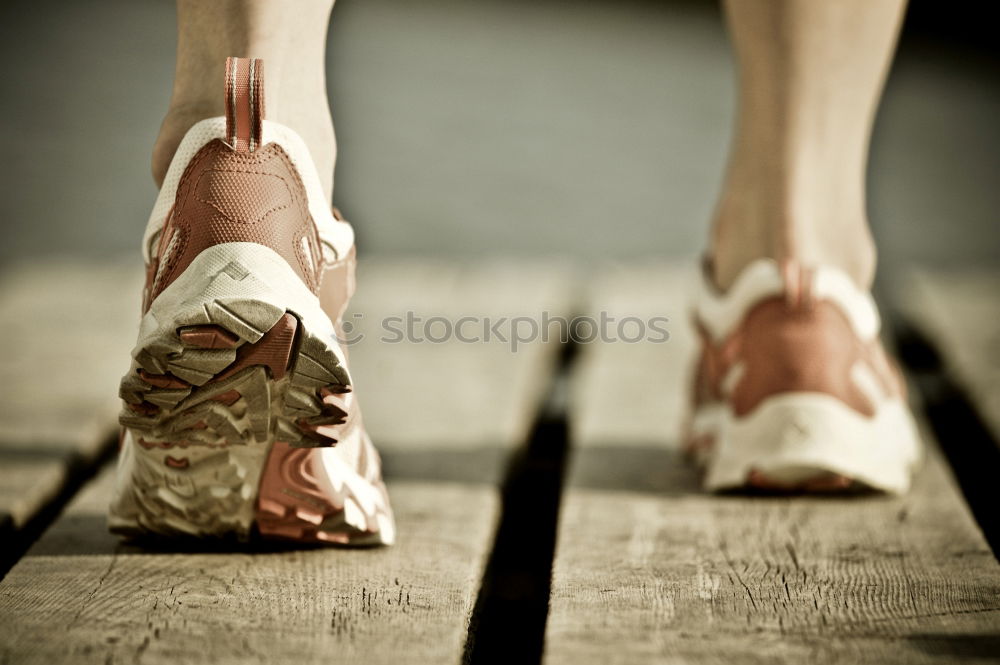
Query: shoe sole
x: 806, y: 442
x: 236, y: 376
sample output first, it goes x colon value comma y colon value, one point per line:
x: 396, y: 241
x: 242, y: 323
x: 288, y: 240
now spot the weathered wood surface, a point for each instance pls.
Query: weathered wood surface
x: 429, y: 395
x: 28, y: 482
x: 445, y: 417
x: 959, y: 310
x: 649, y: 569
x: 65, y: 331
x: 79, y: 596
x: 452, y: 409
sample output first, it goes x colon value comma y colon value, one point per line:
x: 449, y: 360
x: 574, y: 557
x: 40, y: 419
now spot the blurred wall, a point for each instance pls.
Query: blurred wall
x: 467, y: 128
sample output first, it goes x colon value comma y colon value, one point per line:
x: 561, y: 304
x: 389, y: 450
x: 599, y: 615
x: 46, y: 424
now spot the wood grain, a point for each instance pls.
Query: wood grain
x: 649, y: 569
x: 79, y: 596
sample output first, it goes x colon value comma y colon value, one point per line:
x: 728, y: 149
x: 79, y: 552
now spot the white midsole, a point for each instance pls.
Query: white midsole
x: 234, y: 270
x: 216, y: 490
x: 791, y: 437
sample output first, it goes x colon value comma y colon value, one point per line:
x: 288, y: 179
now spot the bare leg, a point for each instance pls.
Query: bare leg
x: 289, y: 35
x: 810, y: 78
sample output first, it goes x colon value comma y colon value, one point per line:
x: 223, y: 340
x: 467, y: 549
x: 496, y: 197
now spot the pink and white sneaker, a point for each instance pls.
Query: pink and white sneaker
x: 239, y: 416
x: 793, y: 389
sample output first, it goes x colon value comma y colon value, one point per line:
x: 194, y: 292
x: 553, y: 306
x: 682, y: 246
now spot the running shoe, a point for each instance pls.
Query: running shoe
x: 793, y: 389
x: 239, y: 417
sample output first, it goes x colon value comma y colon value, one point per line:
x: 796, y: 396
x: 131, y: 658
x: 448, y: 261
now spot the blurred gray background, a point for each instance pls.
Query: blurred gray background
x: 480, y: 127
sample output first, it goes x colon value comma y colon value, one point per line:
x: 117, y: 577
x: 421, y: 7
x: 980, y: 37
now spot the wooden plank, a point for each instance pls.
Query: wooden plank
x: 959, y: 311
x: 452, y: 409
x: 430, y: 394
x: 28, y: 482
x: 643, y: 379
x: 65, y: 331
x: 79, y: 596
x: 649, y: 569
x: 445, y: 417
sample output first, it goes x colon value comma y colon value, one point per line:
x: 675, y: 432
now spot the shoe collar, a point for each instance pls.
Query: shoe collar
x: 336, y: 234
x: 763, y: 279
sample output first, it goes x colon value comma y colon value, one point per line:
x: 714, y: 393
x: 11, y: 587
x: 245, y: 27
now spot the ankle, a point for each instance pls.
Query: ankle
x: 310, y: 120
x: 816, y: 238
x: 176, y: 123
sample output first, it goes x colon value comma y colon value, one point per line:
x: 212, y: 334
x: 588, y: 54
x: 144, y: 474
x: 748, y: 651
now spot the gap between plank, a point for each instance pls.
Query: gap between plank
x: 968, y: 444
x: 509, y: 618
x: 80, y: 469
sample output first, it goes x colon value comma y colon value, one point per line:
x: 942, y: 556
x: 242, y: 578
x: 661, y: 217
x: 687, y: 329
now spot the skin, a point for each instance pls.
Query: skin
x: 290, y: 36
x: 811, y: 74
x: 810, y: 71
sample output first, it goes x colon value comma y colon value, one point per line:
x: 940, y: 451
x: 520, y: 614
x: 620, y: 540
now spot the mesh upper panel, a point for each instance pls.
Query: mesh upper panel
x: 338, y: 235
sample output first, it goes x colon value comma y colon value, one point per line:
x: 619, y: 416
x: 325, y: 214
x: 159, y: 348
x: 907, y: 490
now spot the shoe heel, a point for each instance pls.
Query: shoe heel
x: 803, y: 439
x: 232, y: 357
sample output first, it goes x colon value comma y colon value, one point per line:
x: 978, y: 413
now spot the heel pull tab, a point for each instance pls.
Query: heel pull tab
x: 244, y: 103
